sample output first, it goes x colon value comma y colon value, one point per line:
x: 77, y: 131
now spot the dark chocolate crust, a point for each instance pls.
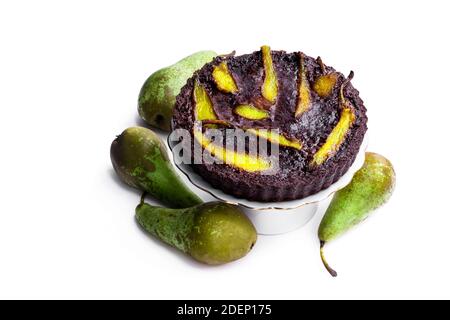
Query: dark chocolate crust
x: 296, y: 178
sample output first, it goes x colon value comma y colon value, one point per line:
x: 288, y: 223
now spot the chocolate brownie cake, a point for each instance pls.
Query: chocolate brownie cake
x: 318, y: 114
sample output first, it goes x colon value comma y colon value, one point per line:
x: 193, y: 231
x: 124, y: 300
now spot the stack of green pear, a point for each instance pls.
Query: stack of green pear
x: 213, y: 233
x: 371, y: 187
x: 158, y: 94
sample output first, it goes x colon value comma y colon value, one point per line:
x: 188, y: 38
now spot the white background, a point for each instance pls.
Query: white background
x: 70, y: 73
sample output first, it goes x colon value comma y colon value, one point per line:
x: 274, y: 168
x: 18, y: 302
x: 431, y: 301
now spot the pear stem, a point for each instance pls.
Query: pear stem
x: 324, y: 261
x: 227, y: 55
x: 322, y: 65
x: 144, y: 194
x: 344, y: 84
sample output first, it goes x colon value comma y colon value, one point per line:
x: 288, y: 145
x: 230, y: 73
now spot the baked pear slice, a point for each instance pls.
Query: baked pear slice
x: 269, y: 88
x: 270, y: 135
x: 244, y: 161
x: 204, y: 109
x: 304, y: 91
x: 251, y: 112
x: 277, y: 138
x: 223, y: 78
x: 325, y: 83
x: 339, y: 132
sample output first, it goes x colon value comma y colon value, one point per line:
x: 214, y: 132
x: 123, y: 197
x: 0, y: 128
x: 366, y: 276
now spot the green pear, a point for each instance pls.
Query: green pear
x: 370, y: 188
x: 158, y: 94
x: 140, y: 159
x: 212, y: 233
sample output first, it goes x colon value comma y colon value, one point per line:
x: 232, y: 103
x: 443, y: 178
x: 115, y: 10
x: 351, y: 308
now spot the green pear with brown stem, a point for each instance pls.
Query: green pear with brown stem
x: 370, y: 188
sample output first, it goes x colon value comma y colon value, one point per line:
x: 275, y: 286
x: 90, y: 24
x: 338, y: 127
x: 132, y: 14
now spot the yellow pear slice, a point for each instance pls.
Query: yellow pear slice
x: 324, y: 84
x: 304, y: 91
x: 204, y: 109
x: 339, y: 132
x: 244, y: 161
x: 223, y: 78
x: 276, y: 138
x: 336, y: 137
x: 269, y: 89
x: 251, y: 112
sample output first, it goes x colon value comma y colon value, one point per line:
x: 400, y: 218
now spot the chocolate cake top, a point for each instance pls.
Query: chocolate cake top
x: 319, y: 115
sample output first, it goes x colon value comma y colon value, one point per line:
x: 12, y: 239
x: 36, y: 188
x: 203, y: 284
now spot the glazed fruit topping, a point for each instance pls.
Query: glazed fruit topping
x: 325, y: 83
x: 244, y: 161
x: 339, y: 132
x: 304, y: 92
x: 269, y: 88
x: 204, y: 109
x: 251, y: 112
x: 277, y: 138
x: 224, y: 80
